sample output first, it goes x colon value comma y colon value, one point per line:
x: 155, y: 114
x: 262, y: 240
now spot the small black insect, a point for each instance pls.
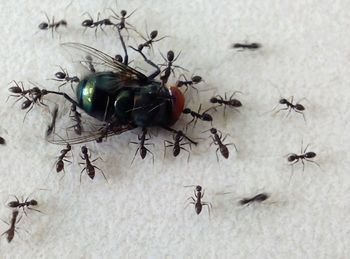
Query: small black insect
x: 197, y: 201
x: 90, y: 23
x: 231, y: 102
x: 257, y: 198
x: 141, y: 146
x: 51, y: 127
x: 294, y: 158
x: 217, y: 140
x: 177, y: 145
x: 2, y: 141
x: 76, y: 117
x: 297, y: 107
x: 62, y: 158
x: 243, y: 46
x: 63, y: 76
x: 122, y: 19
x: 11, y: 231
x: 169, y: 66
x: 204, y: 116
x: 52, y: 25
x: 149, y: 41
x: 194, y: 80
x: 26, y: 204
x: 89, y: 167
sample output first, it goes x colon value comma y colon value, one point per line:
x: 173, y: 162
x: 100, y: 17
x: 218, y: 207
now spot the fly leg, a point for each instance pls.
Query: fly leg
x: 176, y: 132
x: 154, y: 74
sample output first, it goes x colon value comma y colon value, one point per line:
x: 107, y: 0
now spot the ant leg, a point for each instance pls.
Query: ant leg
x: 208, y: 206
x: 36, y: 210
x: 66, y: 96
x: 176, y: 132
x: 302, y: 161
x: 82, y: 173
x: 217, y: 157
x: 188, y: 158
x: 101, y: 173
x: 313, y: 162
x: 233, y: 145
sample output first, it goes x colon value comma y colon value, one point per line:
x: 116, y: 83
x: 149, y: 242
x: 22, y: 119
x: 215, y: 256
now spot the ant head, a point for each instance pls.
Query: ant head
x: 170, y: 55
x: 123, y: 13
x: 153, y: 34
x: 198, y: 188
x: 186, y: 111
x: 236, y: 45
x: 310, y: 154
x: 292, y: 157
x: 33, y: 202
x: 283, y: 101
x: 60, y: 75
x: 43, y: 26
x: 261, y: 197
x: 256, y: 45
x: 118, y: 58
x: 140, y: 47
x: 213, y: 100
x: 299, y: 107
x: 63, y: 22
x: 213, y: 131
x: 196, y: 79
x: 26, y: 104
x: 87, y: 23
x: 84, y: 150
x: 180, y: 133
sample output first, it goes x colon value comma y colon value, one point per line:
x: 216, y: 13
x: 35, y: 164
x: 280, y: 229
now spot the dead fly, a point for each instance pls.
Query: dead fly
x: 218, y: 140
x: 141, y: 145
x: 11, y: 231
x: 257, y: 198
x: 243, y: 46
x: 197, y: 201
x: 89, y: 167
x: 52, y: 25
x: 231, y: 102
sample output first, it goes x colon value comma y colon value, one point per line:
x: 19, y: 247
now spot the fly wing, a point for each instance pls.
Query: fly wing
x: 107, y: 61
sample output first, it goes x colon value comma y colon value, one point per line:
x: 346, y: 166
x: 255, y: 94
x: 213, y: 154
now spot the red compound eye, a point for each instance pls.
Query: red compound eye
x: 178, y: 104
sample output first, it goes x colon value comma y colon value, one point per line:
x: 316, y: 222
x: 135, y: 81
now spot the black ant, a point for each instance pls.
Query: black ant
x: 217, y: 141
x: 52, y: 25
x: 257, y: 198
x: 11, y: 231
x: 17, y: 204
x: 90, y: 168
x: 194, y: 80
x: 169, y: 60
x: 197, y: 201
x: 250, y: 46
x: 76, y: 116
x: 122, y: 19
x: 294, y: 158
x: 148, y: 42
x: 63, y: 76
x: 143, y: 150
x: 89, y: 23
x: 62, y: 158
x: 298, y: 108
x: 177, y: 145
x: 231, y: 102
x: 2, y: 141
x: 204, y: 116
x: 51, y: 127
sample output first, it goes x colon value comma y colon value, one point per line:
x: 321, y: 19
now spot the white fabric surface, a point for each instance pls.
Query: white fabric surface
x: 140, y: 212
